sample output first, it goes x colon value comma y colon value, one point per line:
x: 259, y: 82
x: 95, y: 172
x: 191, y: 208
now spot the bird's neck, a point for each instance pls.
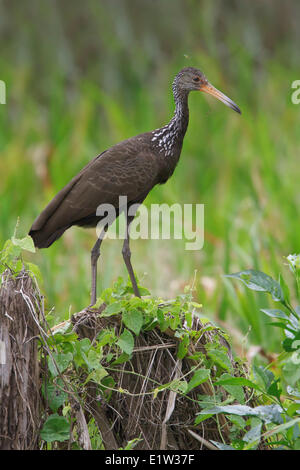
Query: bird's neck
x: 170, y: 137
x: 180, y: 119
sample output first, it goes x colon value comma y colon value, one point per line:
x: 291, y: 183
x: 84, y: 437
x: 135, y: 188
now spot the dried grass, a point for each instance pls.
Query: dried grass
x: 164, y: 420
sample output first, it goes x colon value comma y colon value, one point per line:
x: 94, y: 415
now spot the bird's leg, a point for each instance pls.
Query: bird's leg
x: 127, y: 255
x: 95, y: 253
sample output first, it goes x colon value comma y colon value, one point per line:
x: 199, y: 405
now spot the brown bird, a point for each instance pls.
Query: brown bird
x: 130, y: 168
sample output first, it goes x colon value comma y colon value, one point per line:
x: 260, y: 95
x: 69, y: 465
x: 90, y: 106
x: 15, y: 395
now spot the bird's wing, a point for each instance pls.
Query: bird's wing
x: 58, y: 199
x: 119, y: 171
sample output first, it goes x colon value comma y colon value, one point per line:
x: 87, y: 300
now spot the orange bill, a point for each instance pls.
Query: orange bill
x: 211, y: 90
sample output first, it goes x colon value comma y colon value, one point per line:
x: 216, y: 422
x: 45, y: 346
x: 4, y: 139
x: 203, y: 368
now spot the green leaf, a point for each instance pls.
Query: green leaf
x: 97, y: 375
x: 183, y: 346
x: 291, y: 372
x: 237, y: 381
x: 281, y: 325
x: 35, y: 271
x: 220, y: 358
x: 119, y: 286
x: 85, y: 344
x: 264, y: 376
x: 56, y: 428
x: 178, y: 386
x: 25, y: 243
x: 238, y: 421
x: 98, y: 303
x: 64, y: 334
x: 54, y: 395
x: 285, y: 289
x: 105, y: 337
x: 200, y: 376
x: 222, y: 446
x: 275, y: 313
x: 126, y: 342
x: 133, y: 319
x: 113, y: 309
x: 163, y: 324
x: 233, y: 388
x: 297, y: 444
x: 254, y: 435
x: 268, y: 413
x: 92, y: 360
x: 293, y: 408
x: 274, y: 390
x: 291, y: 344
x: 131, y: 444
x: 81, y: 349
x: 188, y: 318
x: 61, y: 361
x: 10, y: 253
x: 174, y: 318
x: 202, y: 417
x: 259, y: 281
x: 121, y: 359
x: 282, y: 427
x: 144, y: 291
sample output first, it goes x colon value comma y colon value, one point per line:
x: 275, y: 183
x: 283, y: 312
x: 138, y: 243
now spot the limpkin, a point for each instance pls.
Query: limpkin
x: 130, y: 168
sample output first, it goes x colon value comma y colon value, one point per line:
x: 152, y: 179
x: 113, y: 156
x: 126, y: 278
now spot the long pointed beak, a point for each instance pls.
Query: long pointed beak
x: 211, y: 90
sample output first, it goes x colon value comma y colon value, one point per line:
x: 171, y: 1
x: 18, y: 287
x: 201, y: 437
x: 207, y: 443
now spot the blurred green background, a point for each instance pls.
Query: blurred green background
x: 82, y: 76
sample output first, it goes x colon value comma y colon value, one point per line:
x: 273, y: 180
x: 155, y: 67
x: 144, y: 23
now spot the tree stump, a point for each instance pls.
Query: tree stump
x: 20, y: 415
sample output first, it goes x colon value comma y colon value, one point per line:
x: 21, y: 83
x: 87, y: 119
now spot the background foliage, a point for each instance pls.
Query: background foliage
x: 81, y: 78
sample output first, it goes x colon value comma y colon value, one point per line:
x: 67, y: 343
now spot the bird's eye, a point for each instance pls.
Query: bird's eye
x: 196, y: 79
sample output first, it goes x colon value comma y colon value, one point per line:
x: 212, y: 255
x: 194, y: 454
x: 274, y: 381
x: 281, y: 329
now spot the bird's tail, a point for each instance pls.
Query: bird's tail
x: 43, y: 239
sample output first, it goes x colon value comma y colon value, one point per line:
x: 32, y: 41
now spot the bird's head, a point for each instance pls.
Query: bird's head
x: 192, y: 79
